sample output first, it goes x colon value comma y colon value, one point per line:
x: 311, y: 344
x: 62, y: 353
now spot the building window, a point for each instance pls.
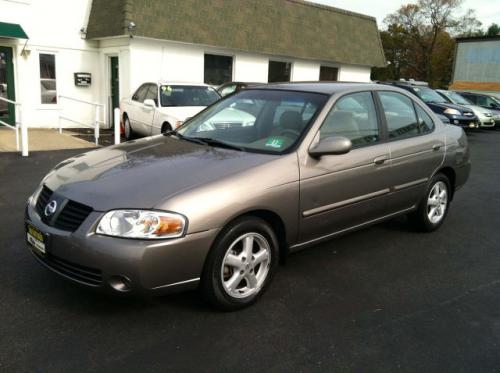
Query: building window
x: 279, y: 71
x: 328, y: 73
x: 218, y: 69
x: 48, y: 78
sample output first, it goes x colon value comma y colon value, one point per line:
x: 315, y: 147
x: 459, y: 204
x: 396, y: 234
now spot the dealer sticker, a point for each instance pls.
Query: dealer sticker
x: 275, y: 142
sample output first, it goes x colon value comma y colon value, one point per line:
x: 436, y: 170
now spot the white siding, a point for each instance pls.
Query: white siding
x: 53, y: 26
x: 249, y: 68
x: 305, y: 71
x: 354, y: 73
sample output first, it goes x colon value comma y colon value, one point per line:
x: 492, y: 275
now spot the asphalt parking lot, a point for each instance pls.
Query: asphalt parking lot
x: 383, y: 299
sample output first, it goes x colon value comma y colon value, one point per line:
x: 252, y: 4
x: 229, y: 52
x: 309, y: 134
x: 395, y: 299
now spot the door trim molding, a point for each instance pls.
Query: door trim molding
x: 354, y: 227
x: 410, y: 184
x: 336, y: 205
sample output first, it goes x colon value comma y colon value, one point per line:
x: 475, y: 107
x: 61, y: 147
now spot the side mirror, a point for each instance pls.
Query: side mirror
x: 149, y: 103
x: 494, y: 106
x: 331, y: 145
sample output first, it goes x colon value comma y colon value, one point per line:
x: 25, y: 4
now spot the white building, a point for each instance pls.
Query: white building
x: 120, y: 44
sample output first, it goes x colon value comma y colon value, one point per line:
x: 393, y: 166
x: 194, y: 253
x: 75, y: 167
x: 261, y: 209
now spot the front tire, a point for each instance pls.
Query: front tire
x: 166, y: 127
x: 128, y: 132
x: 434, y: 206
x: 240, y: 265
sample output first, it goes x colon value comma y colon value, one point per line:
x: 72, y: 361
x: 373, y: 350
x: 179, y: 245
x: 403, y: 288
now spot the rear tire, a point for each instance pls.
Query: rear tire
x: 240, y: 265
x: 434, y: 206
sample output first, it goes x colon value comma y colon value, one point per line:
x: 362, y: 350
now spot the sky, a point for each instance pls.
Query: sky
x: 487, y: 11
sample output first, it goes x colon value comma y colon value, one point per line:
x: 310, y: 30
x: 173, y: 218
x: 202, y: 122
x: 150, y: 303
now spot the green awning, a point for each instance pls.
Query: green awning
x: 12, y: 30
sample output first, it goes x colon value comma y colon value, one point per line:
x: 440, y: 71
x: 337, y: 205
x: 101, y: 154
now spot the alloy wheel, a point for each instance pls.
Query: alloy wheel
x: 246, y: 265
x: 437, y: 202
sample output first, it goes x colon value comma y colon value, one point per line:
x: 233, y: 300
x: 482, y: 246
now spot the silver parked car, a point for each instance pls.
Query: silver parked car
x: 216, y: 207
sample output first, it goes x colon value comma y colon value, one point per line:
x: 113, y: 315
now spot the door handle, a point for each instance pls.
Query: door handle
x: 436, y: 147
x: 380, y: 160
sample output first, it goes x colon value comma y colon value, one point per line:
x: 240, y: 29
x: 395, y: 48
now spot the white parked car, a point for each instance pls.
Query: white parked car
x: 155, y: 108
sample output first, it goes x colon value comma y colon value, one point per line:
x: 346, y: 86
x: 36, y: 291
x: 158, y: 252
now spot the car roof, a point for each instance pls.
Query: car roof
x: 328, y: 88
x: 182, y: 84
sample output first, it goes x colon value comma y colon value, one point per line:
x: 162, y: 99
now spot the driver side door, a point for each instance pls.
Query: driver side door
x: 338, y: 192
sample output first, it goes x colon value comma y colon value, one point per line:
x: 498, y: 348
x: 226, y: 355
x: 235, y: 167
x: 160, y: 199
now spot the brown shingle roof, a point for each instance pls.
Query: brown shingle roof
x: 292, y: 28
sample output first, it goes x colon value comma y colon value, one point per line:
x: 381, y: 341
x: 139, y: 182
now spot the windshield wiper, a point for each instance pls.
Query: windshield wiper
x: 182, y: 137
x: 221, y: 144
x: 204, y: 141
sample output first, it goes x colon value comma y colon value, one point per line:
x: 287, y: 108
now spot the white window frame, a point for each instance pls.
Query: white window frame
x: 41, y: 104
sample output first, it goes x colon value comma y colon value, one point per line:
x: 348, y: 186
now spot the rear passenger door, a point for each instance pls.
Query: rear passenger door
x: 416, y: 147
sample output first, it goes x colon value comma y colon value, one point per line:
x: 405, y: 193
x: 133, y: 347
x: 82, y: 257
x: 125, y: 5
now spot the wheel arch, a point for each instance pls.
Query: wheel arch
x: 164, y: 124
x: 276, y: 223
x: 450, y: 173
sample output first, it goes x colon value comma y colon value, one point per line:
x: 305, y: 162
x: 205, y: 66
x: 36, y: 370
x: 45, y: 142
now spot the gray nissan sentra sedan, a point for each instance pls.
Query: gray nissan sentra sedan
x: 217, y: 203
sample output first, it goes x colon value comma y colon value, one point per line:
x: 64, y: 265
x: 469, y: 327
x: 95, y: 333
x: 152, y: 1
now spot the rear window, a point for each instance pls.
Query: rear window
x: 184, y: 95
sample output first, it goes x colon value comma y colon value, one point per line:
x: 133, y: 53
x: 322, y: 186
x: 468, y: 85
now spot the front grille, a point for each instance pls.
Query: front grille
x: 69, y: 219
x: 86, y: 275
x: 72, y: 216
x: 42, y: 201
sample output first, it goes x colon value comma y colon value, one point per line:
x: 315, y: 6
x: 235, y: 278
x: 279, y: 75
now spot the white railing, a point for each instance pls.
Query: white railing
x: 97, y: 116
x: 19, y: 125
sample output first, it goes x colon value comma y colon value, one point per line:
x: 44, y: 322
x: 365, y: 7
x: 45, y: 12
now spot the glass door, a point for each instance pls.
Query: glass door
x: 7, y: 111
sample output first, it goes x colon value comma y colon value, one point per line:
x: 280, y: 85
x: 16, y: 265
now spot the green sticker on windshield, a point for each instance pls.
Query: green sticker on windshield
x: 275, y: 142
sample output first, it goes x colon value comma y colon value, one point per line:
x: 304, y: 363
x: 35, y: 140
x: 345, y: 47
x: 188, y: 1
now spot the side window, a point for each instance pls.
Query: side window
x: 481, y: 100
x: 152, y: 93
x: 140, y: 93
x: 400, y: 115
x: 425, y: 123
x: 228, y: 89
x: 354, y: 117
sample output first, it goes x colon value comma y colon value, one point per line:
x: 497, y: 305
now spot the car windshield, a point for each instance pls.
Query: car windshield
x: 429, y: 95
x: 457, y: 99
x: 185, y: 95
x: 268, y: 121
x: 495, y: 100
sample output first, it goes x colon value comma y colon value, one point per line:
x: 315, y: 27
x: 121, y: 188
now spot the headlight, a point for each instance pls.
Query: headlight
x: 452, y: 112
x: 142, y: 224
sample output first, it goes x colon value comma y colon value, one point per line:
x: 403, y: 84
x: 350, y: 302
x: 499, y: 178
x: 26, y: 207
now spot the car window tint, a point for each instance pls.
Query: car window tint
x: 400, y: 115
x: 152, y: 93
x: 471, y: 98
x: 354, y: 117
x: 185, y: 95
x: 425, y: 122
x: 140, y: 93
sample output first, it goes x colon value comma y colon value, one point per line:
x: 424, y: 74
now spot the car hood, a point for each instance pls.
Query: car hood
x: 181, y: 112
x: 142, y: 173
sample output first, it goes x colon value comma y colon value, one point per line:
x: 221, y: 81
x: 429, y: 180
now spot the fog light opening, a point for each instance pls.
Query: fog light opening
x: 120, y: 283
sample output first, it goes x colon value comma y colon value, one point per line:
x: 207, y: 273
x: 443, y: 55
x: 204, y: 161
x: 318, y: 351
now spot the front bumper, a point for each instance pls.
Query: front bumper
x: 122, y: 265
x: 465, y: 122
x: 487, y: 123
